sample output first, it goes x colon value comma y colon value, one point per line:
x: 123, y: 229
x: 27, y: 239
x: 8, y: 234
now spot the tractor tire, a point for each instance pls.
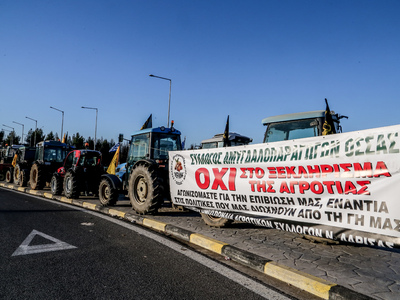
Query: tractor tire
x: 107, y: 194
x: 36, y: 177
x: 23, y: 178
x: 56, y: 185
x: 17, y: 174
x: 215, y: 221
x: 2, y: 177
x: 71, y: 185
x: 9, y: 175
x: 146, y: 192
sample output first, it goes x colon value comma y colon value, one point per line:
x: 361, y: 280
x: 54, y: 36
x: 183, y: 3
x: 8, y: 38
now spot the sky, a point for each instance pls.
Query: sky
x: 246, y: 59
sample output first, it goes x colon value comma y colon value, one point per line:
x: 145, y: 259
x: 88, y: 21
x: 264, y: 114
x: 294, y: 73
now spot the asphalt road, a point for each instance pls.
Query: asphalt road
x: 55, y: 251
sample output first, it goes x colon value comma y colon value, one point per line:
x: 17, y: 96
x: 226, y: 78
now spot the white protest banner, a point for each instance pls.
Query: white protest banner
x: 344, y: 187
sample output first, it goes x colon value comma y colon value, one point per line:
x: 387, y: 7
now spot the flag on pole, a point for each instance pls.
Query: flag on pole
x: 225, y: 137
x: 64, y: 139
x: 183, y: 143
x: 14, y: 161
x: 328, y: 126
x: 114, y: 148
x: 148, y: 123
x: 114, y: 163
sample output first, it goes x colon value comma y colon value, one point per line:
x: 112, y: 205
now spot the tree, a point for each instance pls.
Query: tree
x: 50, y: 136
x: 77, y: 141
x: 30, y: 137
x: 12, y: 139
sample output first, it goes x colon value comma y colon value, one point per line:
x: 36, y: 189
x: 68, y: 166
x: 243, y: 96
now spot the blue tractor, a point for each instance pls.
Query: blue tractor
x: 146, y: 179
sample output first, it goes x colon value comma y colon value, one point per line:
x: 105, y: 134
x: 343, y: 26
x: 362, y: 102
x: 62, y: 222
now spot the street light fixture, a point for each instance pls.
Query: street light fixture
x: 12, y: 133
x: 62, y: 123
x: 95, y: 130
x: 34, y: 139
x: 22, y: 130
x: 169, y: 99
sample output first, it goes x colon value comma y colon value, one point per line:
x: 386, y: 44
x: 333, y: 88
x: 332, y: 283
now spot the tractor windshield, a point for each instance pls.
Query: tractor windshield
x: 54, y: 154
x: 291, y: 130
x: 162, y: 143
x: 90, y: 159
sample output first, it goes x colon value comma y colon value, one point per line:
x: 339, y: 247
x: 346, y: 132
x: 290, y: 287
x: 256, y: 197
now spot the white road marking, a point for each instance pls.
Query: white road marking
x: 56, y: 245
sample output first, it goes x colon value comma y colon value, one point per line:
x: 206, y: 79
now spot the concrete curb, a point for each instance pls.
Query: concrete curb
x: 309, y: 283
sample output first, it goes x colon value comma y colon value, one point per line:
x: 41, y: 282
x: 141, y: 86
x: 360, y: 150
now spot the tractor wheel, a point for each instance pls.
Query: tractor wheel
x: 23, y: 179
x: 107, y: 194
x: 2, y: 176
x: 71, y: 186
x: 215, y: 221
x: 145, y: 190
x: 17, y: 174
x: 9, y: 175
x: 56, y: 185
x: 36, y: 177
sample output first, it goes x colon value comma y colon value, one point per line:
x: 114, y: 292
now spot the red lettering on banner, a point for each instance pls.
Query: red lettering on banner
x: 381, y: 170
x: 364, y: 188
x: 243, y: 173
x: 303, y: 186
x: 218, y: 179
x: 231, y: 181
x: 206, y: 183
x: 329, y: 185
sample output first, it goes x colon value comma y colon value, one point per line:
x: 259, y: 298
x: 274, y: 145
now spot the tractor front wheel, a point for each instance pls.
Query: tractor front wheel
x: 17, y: 174
x: 56, y: 185
x: 215, y: 221
x: 107, y: 194
x: 145, y: 190
x: 23, y: 179
x: 71, y: 187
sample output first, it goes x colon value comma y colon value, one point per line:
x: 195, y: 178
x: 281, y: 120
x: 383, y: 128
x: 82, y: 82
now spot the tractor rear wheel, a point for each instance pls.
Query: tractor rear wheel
x: 36, y: 177
x: 9, y: 176
x: 56, y: 185
x: 107, y: 194
x: 215, y: 221
x: 71, y: 186
x: 145, y: 190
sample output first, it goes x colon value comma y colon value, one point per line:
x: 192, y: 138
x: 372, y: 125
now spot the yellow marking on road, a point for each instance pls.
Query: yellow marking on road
x: 154, y: 224
x: 206, y: 242
x: 66, y: 200
x: 117, y: 213
x: 304, y: 281
x: 89, y: 205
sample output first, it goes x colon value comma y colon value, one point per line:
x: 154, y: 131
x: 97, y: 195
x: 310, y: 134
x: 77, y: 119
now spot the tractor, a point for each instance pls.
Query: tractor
x: 49, y: 157
x: 6, y: 167
x: 81, y: 172
x: 146, y: 180
x: 23, y: 163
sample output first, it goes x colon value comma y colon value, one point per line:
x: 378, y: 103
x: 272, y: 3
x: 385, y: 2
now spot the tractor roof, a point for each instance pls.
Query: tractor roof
x: 162, y: 130
x: 294, y: 116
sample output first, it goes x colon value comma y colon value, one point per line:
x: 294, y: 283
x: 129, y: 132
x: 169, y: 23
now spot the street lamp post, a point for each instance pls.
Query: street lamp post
x: 22, y: 130
x: 95, y: 129
x: 62, y: 123
x: 34, y: 139
x: 169, y: 99
x: 12, y: 133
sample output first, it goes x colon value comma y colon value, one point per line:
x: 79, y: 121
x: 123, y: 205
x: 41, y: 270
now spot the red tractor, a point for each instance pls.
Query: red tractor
x: 81, y: 172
